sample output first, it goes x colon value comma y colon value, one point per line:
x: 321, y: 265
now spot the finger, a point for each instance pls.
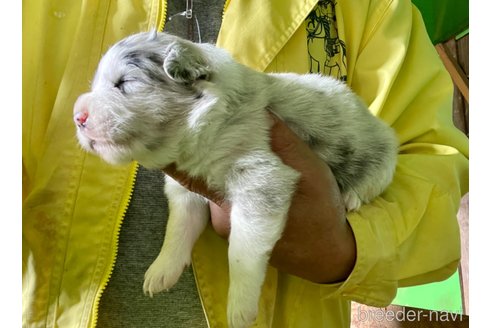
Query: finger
x: 220, y: 217
x: 294, y: 152
x: 194, y: 184
x: 290, y: 148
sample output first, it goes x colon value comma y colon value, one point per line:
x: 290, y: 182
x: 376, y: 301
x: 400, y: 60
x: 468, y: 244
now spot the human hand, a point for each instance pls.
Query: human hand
x: 317, y: 243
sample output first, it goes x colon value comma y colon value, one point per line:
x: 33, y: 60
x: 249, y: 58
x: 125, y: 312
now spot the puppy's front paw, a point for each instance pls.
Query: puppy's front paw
x: 183, y: 64
x: 163, y: 274
x: 241, y: 311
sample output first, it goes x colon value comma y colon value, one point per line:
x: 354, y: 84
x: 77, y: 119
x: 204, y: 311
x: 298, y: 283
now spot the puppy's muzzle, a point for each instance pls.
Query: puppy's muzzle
x: 80, y: 112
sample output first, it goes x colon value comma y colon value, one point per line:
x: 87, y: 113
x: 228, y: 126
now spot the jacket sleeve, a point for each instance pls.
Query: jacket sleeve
x: 409, y: 235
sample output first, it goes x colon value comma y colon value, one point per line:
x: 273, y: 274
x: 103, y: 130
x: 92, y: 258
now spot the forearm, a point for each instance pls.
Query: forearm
x: 328, y: 257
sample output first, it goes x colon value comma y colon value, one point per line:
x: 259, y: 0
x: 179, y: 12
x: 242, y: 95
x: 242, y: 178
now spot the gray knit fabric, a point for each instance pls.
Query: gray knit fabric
x: 123, y: 303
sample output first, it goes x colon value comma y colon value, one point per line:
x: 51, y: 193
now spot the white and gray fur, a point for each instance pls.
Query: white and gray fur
x: 158, y: 99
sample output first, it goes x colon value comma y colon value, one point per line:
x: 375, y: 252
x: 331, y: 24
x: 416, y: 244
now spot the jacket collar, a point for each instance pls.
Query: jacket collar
x: 254, y: 31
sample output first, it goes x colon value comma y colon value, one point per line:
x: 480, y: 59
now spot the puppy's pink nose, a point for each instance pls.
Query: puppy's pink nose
x: 80, y: 118
x: 80, y: 110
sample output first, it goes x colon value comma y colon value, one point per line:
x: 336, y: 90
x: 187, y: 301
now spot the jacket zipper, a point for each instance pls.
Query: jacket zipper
x: 114, y: 242
x: 226, y: 4
x: 161, y: 19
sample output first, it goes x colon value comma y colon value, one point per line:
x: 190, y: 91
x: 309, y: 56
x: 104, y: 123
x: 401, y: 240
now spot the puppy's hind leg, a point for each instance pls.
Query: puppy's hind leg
x: 188, y: 216
x: 260, y: 201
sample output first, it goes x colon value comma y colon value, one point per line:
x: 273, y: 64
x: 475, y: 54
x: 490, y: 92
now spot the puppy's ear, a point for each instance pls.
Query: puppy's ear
x: 185, y: 63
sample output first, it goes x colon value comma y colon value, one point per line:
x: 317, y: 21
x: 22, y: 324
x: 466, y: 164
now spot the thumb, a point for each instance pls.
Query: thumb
x: 316, y: 176
x: 289, y: 146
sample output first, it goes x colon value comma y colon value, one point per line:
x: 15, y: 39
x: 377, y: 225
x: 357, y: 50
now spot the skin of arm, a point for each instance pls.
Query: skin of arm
x: 318, y: 243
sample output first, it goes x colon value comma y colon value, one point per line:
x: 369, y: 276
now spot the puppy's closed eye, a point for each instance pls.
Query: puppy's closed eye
x: 122, y: 84
x: 119, y: 84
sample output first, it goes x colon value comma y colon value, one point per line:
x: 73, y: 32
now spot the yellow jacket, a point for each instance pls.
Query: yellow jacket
x: 74, y: 203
